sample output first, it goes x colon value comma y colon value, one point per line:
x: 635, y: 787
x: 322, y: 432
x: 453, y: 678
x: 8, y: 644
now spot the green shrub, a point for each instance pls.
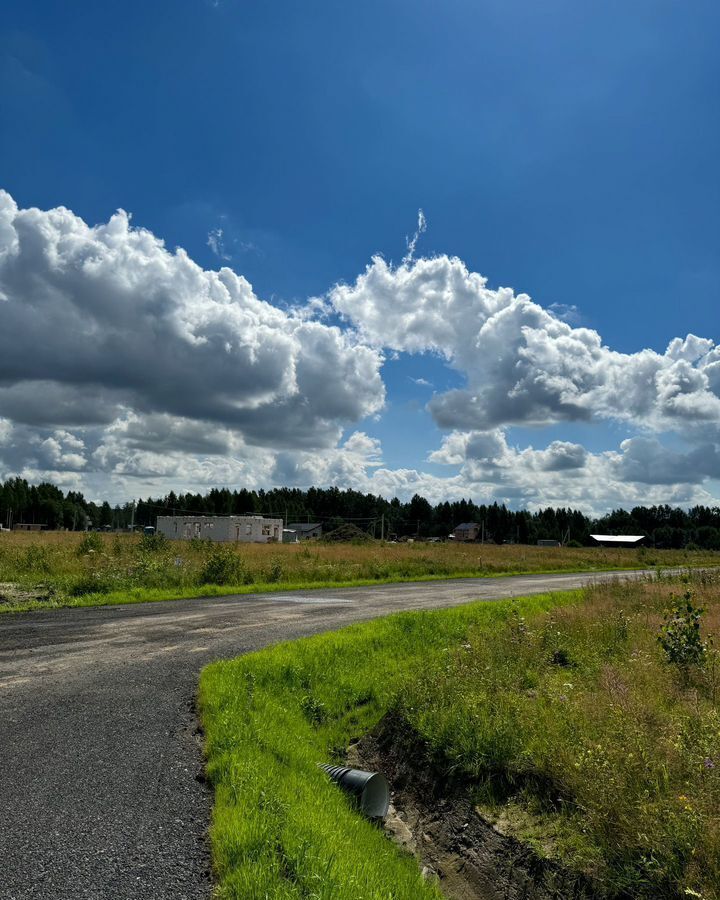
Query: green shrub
x: 275, y: 572
x: 91, y: 583
x: 680, y: 635
x: 153, y: 543
x: 223, y: 566
x: 90, y: 543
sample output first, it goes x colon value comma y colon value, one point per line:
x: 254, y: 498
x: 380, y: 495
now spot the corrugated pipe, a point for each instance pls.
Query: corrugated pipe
x: 370, y: 788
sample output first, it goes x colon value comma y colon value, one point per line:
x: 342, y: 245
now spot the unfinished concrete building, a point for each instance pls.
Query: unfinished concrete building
x: 235, y: 529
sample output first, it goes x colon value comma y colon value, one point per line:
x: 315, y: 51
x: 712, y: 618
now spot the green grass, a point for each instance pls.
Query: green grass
x: 153, y: 595
x: 55, y: 569
x: 581, y: 737
x: 560, y: 709
x: 280, y: 829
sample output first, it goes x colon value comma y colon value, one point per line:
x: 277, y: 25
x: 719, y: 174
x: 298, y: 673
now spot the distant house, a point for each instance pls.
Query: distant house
x: 236, y: 529
x: 618, y: 540
x: 306, y: 530
x: 466, y: 531
x: 548, y: 543
x: 28, y: 526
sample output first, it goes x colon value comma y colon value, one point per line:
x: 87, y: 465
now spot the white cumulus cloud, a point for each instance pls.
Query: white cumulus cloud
x: 523, y: 364
x: 126, y: 367
x: 104, y: 318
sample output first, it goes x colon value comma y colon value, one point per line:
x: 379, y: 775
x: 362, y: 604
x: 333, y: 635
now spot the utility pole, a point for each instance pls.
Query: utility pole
x: 482, y: 533
x: 132, y: 517
x: 382, y: 527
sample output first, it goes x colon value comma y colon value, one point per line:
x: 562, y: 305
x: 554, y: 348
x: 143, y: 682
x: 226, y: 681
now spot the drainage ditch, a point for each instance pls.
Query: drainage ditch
x: 436, y: 820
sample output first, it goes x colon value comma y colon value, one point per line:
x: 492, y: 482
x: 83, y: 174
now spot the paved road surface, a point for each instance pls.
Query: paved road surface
x: 98, y: 746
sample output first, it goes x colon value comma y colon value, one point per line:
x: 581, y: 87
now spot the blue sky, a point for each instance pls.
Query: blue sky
x: 566, y: 150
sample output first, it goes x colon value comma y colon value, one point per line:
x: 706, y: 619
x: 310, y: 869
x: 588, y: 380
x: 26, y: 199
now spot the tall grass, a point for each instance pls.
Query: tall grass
x: 75, y: 569
x: 576, y: 727
x: 280, y: 829
x: 563, y: 712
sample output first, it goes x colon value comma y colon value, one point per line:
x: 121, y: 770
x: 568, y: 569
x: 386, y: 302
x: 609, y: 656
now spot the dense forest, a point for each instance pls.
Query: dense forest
x: 665, y: 526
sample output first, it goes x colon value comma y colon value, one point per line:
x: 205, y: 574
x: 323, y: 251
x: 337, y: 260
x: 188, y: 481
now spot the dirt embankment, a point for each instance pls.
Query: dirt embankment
x: 434, y: 818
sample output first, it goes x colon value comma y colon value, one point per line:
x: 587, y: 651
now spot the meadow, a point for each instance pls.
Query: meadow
x: 588, y: 723
x: 46, y: 569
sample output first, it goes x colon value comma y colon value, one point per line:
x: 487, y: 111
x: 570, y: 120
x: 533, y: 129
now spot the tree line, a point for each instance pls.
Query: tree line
x: 666, y: 526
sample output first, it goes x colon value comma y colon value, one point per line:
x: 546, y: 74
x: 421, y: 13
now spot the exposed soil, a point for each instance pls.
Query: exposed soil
x: 435, y: 818
x: 12, y: 594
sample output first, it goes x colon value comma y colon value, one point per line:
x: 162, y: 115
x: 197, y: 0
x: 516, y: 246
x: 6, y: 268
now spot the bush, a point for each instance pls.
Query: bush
x: 223, y: 566
x: 153, y: 543
x: 275, y: 572
x: 91, y: 583
x: 90, y: 543
x: 680, y: 635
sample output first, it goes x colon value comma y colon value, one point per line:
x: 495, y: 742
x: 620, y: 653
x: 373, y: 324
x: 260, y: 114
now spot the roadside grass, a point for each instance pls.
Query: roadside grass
x: 561, y: 710
x: 280, y: 829
x: 56, y: 569
x: 585, y: 742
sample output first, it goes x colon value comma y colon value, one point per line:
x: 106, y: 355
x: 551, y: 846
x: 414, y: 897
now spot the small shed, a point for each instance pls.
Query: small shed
x: 28, y: 526
x: 466, y: 531
x: 306, y: 530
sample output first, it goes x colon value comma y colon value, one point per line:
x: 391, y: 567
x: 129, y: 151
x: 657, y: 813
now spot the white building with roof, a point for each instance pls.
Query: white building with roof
x: 618, y: 540
x: 235, y: 529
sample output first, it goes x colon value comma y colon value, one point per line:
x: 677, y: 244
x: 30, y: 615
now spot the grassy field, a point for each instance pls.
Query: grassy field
x: 564, y: 712
x: 71, y: 569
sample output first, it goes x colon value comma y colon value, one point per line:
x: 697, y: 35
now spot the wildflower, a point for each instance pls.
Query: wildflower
x: 708, y: 763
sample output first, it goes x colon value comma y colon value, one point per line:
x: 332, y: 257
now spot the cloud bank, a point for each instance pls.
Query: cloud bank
x: 523, y: 364
x: 126, y: 367
x: 98, y: 320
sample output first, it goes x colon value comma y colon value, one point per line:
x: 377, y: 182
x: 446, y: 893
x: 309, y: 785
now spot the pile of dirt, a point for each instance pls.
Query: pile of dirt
x: 347, y: 533
x: 434, y: 817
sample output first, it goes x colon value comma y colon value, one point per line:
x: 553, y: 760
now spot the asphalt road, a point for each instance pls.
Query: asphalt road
x: 99, y: 750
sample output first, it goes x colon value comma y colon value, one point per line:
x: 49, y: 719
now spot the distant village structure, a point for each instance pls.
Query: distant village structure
x: 235, y: 529
x: 618, y: 540
x: 306, y: 530
x: 466, y: 531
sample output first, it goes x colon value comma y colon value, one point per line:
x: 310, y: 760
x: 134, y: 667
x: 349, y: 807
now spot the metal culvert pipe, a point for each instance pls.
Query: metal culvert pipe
x: 370, y: 788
